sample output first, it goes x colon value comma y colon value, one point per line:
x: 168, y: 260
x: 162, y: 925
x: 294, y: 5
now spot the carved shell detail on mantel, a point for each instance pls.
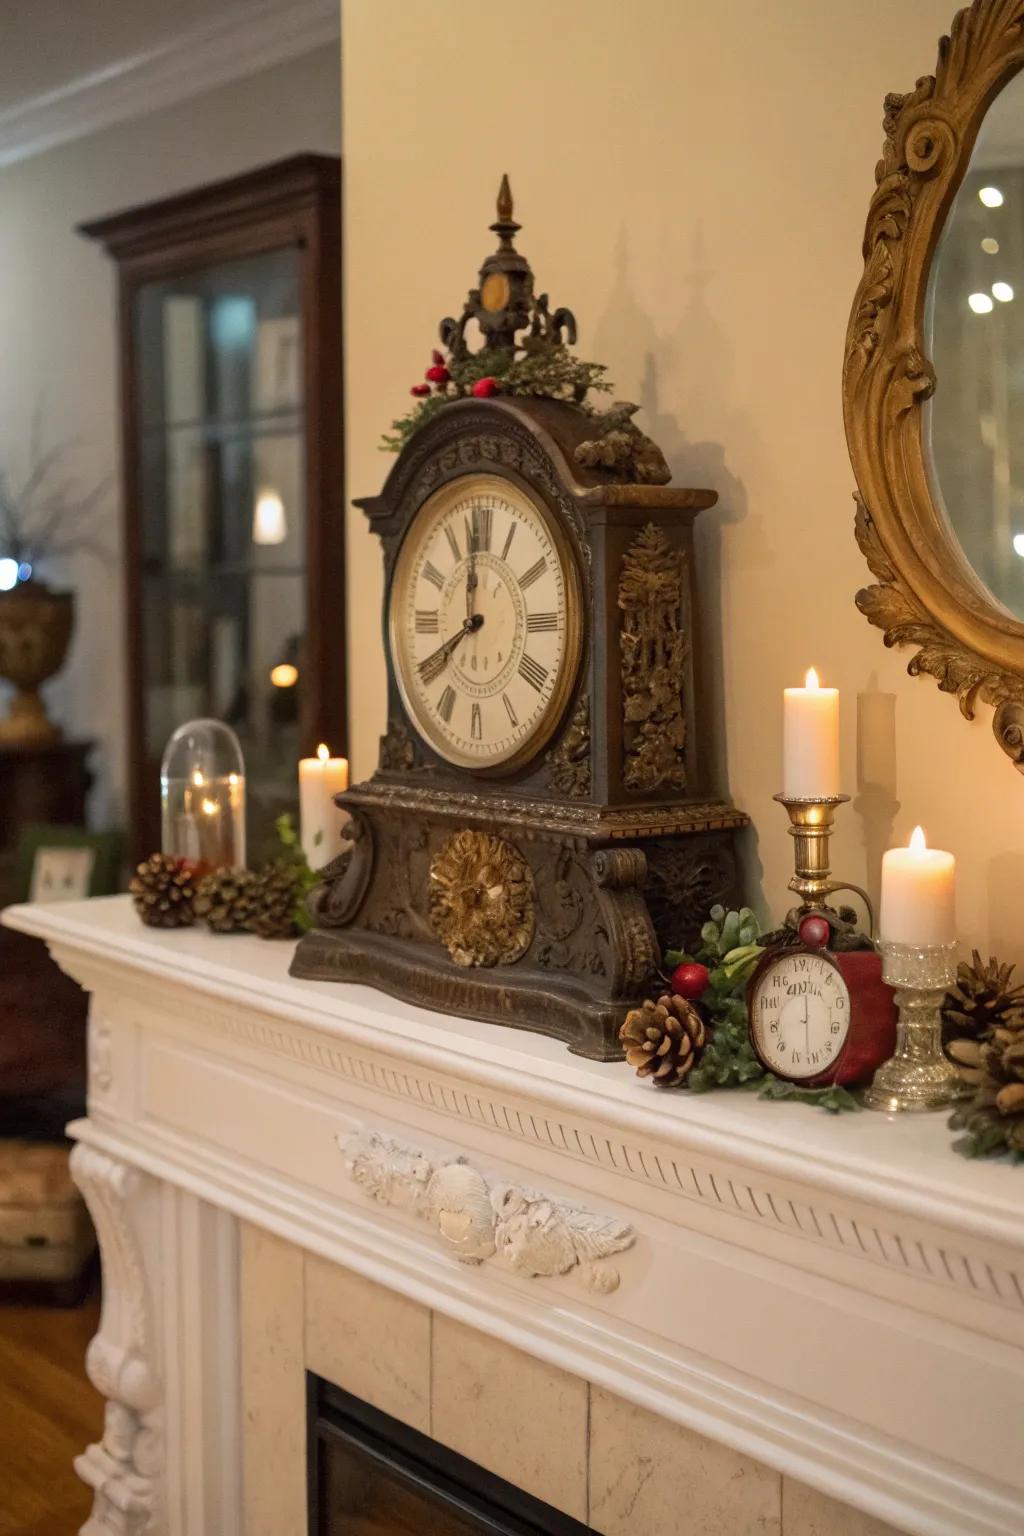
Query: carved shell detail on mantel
x: 534, y: 1234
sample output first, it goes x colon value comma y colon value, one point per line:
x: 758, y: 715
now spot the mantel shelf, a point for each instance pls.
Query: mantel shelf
x: 905, y: 1163
x: 853, y: 1290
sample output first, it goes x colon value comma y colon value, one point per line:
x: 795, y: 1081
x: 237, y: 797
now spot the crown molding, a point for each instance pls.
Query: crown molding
x: 241, y: 41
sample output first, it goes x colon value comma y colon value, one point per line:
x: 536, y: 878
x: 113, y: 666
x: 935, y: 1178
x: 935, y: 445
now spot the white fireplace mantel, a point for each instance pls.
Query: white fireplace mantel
x: 840, y: 1298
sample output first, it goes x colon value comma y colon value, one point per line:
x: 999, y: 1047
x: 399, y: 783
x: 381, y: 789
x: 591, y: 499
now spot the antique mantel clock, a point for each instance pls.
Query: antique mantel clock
x: 536, y: 830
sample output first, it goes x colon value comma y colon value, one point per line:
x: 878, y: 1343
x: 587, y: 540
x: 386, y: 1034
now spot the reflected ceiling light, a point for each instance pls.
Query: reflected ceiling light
x: 990, y: 246
x: 8, y: 574
x: 284, y: 675
x: 1003, y: 292
x: 980, y: 303
x: 991, y: 197
x: 1018, y: 544
x: 269, y: 524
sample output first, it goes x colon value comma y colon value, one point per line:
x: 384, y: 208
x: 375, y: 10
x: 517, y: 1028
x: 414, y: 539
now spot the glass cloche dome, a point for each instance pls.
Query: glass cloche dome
x: 202, y: 796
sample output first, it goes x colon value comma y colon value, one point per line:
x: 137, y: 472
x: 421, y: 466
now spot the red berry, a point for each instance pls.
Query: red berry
x: 485, y: 388
x: 420, y: 389
x: 438, y: 374
x: 690, y: 980
x: 814, y: 932
x: 437, y: 358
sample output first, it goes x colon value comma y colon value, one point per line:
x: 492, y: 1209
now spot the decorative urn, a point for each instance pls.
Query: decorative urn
x: 35, y: 630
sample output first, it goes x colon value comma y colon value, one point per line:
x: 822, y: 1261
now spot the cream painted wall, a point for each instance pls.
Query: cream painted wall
x: 692, y: 177
x: 57, y: 324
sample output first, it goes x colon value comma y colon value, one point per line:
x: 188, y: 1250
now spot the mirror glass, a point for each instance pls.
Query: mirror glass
x: 975, y: 338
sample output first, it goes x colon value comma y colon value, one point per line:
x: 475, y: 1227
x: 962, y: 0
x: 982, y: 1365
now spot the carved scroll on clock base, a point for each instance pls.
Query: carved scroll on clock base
x: 533, y: 927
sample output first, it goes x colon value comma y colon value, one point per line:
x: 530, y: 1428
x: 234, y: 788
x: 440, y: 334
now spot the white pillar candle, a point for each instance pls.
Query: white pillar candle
x: 918, y: 895
x: 321, y: 822
x: 810, y: 734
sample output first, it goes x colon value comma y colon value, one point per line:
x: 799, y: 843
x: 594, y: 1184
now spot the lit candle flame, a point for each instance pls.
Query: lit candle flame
x: 197, y: 777
x: 811, y: 680
x: 323, y: 752
x: 917, y: 841
x: 210, y: 807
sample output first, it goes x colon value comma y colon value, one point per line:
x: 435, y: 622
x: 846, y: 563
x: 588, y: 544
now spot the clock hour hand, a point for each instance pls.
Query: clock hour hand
x: 471, y: 584
x: 434, y: 664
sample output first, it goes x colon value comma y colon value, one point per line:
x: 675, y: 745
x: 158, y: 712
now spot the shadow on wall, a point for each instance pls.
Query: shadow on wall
x: 876, y: 803
x: 695, y: 356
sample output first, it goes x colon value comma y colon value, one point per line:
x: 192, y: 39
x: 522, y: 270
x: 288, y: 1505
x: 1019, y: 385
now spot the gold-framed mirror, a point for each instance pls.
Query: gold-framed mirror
x: 933, y: 375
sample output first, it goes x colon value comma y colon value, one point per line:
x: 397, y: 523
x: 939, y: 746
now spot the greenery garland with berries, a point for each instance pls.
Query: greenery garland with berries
x: 551, y: 372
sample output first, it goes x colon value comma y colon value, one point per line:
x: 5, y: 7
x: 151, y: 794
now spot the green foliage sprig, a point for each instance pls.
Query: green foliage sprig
x: 293, y: 857
x: 729, y: 949
x: 835, y: 1099
x: 551, y: 372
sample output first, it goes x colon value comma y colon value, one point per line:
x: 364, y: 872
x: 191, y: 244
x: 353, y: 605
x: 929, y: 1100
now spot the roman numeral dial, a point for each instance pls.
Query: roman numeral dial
x: 484, y: 622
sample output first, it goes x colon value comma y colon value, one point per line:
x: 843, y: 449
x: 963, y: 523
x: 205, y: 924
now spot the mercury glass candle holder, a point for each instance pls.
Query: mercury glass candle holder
x: 917, y: 1076
x: 202, y: 796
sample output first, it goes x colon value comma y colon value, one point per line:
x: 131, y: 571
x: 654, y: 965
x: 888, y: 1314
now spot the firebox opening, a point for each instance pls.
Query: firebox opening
x: 370, y: 1475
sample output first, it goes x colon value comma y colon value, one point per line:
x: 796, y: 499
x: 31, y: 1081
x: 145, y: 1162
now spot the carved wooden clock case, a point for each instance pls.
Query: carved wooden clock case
x: 534, y: 834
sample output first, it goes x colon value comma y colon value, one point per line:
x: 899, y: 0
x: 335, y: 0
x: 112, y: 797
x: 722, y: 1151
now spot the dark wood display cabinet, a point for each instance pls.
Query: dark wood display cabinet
x: 231, y: 381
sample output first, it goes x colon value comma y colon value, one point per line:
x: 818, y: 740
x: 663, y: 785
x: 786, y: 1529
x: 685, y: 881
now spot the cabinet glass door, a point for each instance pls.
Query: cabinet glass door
x: 220, y: 408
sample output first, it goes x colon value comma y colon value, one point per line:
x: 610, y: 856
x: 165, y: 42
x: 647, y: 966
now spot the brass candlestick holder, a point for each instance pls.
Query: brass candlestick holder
x: 811, y: 821
x: 917, y: 1076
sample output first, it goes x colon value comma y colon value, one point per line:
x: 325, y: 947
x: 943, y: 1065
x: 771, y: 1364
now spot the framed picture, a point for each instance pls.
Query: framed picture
x: 67, y: 863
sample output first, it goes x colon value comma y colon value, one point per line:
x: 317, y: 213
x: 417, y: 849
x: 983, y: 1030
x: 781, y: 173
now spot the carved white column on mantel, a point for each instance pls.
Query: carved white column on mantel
x: 123, y: 1469
x: 166, y: 1356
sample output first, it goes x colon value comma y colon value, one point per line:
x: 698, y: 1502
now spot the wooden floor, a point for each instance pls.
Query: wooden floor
x: 48, y: 1413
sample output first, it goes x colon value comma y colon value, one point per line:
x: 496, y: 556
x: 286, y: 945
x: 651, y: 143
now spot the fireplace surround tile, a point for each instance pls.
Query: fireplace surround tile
x: 273, y: 1385
x: 806, y: 1512
x: 369, y: 1340
x: 517, y: 1416
x: 649, y: 1475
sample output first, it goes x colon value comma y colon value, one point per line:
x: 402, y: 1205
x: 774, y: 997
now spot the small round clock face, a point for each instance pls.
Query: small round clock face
x: 484, y: 622
x: 800, y: 1015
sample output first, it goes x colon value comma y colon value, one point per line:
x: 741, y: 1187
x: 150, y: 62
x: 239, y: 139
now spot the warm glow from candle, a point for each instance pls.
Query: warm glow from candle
x: 197, y: 777
x: 323, y: 752
x: 232, y: 778
x: 210, y: 807
x: 811, y: 680
x: 284, y: 675
x: 917, y: 841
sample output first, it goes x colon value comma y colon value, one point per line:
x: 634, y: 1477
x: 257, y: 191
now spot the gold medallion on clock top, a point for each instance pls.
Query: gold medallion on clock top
x: 494, y: 292
x: 484, y: 622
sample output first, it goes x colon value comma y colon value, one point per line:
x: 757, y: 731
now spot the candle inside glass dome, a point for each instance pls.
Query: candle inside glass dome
x: 202, y: 796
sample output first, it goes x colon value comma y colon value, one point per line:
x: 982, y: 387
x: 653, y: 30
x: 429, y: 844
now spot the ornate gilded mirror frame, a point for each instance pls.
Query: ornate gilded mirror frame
x: 927, y: 595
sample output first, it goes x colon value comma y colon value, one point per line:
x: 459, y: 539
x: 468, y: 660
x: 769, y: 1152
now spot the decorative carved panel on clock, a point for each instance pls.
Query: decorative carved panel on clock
x: 538, y: 828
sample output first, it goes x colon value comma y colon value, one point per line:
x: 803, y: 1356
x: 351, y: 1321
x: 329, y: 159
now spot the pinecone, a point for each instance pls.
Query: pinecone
x: 663, y: 1040
x: 276, y: 897
x: 983, y: 1002
x: 225, y: 900
x: 163, y: 890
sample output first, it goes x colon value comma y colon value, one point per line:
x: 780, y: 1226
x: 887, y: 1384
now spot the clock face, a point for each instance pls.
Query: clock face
x: 484, y: 622
x: 799, y: 1015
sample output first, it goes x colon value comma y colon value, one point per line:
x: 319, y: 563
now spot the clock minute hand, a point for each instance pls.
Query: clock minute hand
x: 434, y: 664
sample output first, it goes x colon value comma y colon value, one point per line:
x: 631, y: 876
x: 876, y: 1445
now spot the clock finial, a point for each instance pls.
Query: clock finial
x: 504, y: 304
x: 505, y: 226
